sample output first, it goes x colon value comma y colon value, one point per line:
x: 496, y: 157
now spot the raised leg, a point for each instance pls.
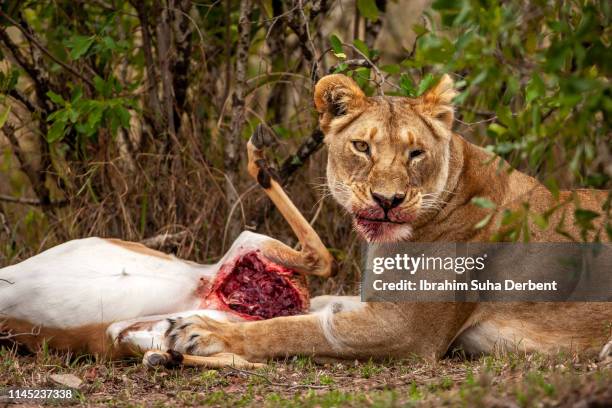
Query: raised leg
x: 313, y: 259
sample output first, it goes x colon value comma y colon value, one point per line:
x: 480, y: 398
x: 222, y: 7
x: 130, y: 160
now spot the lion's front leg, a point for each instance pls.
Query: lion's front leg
x: 255, y: 341
x: 345, y: 329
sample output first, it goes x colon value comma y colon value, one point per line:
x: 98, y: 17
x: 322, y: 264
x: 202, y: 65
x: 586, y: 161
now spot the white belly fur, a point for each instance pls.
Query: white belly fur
x: 94, y: 281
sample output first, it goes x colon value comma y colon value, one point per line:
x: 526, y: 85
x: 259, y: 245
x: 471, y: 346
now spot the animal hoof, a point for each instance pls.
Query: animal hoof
x: 158, y: 358
x: 263, y: 137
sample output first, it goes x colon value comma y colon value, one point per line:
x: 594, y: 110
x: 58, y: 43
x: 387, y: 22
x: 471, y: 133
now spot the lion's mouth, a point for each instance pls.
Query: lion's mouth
x: 376, y: 225
x: 378, y: 220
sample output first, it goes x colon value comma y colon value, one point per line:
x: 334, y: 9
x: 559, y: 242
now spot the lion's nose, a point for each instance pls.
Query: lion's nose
x: 388, y: 202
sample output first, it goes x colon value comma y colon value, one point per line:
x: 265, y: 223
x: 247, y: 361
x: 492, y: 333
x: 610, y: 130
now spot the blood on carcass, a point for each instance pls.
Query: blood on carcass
x: 255, y: 288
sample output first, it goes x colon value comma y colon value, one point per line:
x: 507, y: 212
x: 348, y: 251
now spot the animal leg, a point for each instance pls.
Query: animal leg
x: 171, y: 358
x: 345, y: 330
x: 313, y: 259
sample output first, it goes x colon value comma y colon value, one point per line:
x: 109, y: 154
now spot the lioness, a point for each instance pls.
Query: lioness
x: 399, y: 170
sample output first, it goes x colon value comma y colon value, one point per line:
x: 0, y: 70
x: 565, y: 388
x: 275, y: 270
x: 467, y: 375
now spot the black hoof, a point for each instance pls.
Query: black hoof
x: 263, y: 137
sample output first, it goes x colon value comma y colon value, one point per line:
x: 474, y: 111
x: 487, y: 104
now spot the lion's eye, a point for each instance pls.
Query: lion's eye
x: 361, y: 146
x: 416, y: 153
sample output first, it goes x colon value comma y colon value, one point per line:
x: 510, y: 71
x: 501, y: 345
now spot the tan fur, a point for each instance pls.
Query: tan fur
x: 438, y: 186
x: 137, y: 247
x: 90, y: 339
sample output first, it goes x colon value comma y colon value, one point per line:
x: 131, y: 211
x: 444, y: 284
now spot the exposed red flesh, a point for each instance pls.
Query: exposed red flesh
x: 255, y: 288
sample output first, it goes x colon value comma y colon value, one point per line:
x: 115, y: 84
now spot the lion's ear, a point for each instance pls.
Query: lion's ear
x: 336, y: 95
x: 437, y: 102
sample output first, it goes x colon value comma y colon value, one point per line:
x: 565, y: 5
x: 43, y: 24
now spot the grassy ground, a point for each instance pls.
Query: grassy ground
x: 510, y: 380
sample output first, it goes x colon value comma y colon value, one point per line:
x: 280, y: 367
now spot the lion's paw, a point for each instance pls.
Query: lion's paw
x: 196, y: 335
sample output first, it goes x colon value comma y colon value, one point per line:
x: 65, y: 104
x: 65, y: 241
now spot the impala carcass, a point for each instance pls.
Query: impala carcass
x: 113, y: 297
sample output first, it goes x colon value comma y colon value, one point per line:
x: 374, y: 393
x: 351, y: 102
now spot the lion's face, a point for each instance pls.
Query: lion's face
x: 388, y: 157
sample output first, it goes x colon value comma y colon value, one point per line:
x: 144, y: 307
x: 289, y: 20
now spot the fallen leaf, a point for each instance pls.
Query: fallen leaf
x: 69, y: 380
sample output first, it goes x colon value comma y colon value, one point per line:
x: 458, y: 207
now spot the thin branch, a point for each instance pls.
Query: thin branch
x: 41, y: 47
x: 159, y: 241
x: 10, y: 335
x: 19, y: 96
x: 374, y: 67
x: 352, y: 63
x: 308, y: 147
x: 298, y: 23
x: 41, y: 84
x: 30, y: 201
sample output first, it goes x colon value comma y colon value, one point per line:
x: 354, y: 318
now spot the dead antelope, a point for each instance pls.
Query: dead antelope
x: 115, y: 298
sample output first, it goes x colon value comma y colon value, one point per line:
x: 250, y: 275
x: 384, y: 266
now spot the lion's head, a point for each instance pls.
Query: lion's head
x: 388, y: 156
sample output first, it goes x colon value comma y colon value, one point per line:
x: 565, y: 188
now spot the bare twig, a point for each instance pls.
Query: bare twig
x: 41, y: 83
x: 45, y: 51
x: 308, y: 147
x: 374, y: 67
x: 159, y: 241
x: 352, y: 63
x: 30, y: 201
x: 25, y: 101
x: 10, y: 335
x: 298, y: 22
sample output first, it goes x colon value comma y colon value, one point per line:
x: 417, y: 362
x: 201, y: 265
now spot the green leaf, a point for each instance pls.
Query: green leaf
x: 109, y: 43
x: 336, y: 44
x: 343, y: 66
x: 95, y: 117
x: 4, y: 116
x: 540, y: 221
x: 498, y: 129
x: 419, y: 29
x: 483, y: 202
x: 407, y: 85
x: 124, y: 116
x: 55, y: 98
x: 535, y: 88
x: 425, y: 84
x: 584, y: 217
x: 368, y: 9
x: 482, y: 223
x: 361, y: 46
x: 392, y: 69
x: 56, y: 131
x: 79, y: 45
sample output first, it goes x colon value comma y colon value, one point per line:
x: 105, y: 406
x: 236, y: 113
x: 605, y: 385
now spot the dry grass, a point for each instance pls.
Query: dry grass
x: 508, y: 380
